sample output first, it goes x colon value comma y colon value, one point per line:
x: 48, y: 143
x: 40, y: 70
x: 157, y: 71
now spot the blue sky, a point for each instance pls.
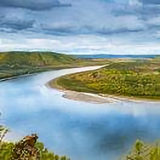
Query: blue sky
x: 81, y: 26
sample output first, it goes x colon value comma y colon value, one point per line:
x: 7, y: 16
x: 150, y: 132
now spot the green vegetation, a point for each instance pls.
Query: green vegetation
x: 30, y: 149
x: 27, y: 149
x: 20, y: 63
x: 138, y: 78
x: 144, y: 151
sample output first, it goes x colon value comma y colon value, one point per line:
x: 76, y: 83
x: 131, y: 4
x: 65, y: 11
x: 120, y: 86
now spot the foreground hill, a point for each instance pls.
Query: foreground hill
x: 20, y: 63
x: 137, y: 78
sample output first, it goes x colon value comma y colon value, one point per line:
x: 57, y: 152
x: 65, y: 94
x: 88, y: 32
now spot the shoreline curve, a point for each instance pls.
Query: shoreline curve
x: 92, y: 97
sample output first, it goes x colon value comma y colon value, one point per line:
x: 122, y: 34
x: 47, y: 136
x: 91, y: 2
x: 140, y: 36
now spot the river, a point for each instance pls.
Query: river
x: 80, y: 130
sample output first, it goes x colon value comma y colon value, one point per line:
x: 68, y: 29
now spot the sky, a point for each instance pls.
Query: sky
x: 81, y: 26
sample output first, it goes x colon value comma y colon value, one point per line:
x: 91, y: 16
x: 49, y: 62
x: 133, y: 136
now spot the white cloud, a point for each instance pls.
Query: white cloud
x: 117, y: 27
x: 82, y: 44
x: 135, y: 3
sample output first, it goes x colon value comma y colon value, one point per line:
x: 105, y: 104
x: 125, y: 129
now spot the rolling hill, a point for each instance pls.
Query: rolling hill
x: 33, y: 59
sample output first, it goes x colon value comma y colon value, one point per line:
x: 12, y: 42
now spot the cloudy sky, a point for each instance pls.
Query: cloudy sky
x: 81, y: 26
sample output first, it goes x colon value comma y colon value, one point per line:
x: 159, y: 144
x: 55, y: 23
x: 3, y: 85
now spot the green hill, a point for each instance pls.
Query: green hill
x: 133, y: 79
x: 20, y: 63
x: 33, y: 59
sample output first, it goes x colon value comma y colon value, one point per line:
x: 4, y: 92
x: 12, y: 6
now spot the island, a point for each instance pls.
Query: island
x: 131, y: 78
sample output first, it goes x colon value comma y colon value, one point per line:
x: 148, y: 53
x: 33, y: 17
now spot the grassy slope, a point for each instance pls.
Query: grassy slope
x: 19, y: 63
x: 134, y: 79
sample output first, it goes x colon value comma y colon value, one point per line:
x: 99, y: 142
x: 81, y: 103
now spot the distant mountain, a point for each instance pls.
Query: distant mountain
x: 109, y: 56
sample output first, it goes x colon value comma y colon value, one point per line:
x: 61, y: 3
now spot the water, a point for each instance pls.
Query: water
x: 81, y: 130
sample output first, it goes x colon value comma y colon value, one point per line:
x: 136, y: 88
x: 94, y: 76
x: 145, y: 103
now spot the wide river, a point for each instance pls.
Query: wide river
x: 80, y: 130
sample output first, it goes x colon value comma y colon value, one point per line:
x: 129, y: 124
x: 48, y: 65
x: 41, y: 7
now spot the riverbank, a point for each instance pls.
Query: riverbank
x: 89, y: 97
x: 2, y: 79
x: 94, y: 98
x: 80, y: 96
